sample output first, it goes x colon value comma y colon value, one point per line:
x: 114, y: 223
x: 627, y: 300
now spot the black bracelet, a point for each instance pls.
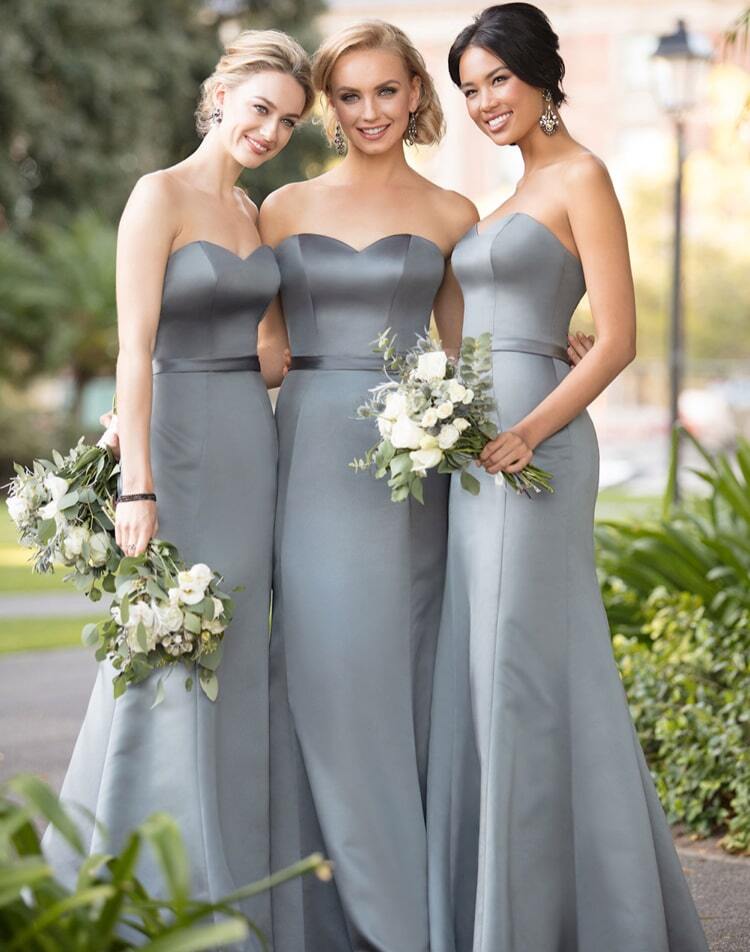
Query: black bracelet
x: 135, y: 497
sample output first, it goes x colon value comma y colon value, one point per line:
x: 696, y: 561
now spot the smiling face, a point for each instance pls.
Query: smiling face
x: 372, y: 95
x: 259, y: 116
x: 503, y: 106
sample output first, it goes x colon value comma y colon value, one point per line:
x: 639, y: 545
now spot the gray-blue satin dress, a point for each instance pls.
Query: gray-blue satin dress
x: 545, y: 832
x: 357, y: 592
x: 213, y: 449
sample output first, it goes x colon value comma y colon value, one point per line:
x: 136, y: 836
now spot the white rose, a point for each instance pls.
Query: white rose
x: 461, y: 424
x: 395, y: 406
x: 56, y: 487
x: 447, y: 436
x: 428, y: 442
x: 18, y: 509
x: 202, y: 574
x: 141, y: 613
x: 73, y: 542
x: 406, y: 434
x: 456, y: 391
x: 99, y: 543
x: 445, y: 410
x: 425, y: 459
x: 431, y: 366
x: 430, y: 417
x: 168, y: 617
x: 469, y: 395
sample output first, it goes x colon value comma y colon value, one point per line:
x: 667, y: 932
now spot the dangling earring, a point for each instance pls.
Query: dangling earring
x: 412, y: 132
x: 548, y: 120
x: 339, y: 141
x: 216, y: 116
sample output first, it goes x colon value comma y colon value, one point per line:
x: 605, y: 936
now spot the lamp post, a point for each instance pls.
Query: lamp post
x: 679, y: 61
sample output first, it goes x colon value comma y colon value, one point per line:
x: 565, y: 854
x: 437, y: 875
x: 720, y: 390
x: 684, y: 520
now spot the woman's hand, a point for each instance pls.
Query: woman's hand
x: 111, y: 436
x: 578, y: 346
x: 135, y: 525
x: 508, y: 453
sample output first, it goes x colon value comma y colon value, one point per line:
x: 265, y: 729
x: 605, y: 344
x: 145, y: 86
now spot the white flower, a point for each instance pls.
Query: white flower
x: 469, y: 395
x: 174, y: 597
x: 430, y: 417
x: 395, y: 405
x: 141, y: 613
x: 447, y: 436
x: 431, y: 366
x: 384, y: 426
x: 218, y: 607
x: 32, y: 492
x: 73, y: 542
x: 428, y: 442
x: 168, y: 617
x: 425, y: 459
x: 406, y: 434
x: 456, y: 391
x: 57, y: 487
x: 445, y: 410
x: 461, y: 424
x: 18, y: 509
x: 202, y: 574
x: 99, y: 544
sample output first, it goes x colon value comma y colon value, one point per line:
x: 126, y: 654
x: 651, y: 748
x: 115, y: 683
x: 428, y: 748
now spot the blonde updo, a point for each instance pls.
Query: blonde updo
x: 379, y: 35
x: 254, y: 51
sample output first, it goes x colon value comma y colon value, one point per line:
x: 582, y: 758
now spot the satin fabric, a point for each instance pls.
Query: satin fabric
x: 214, y: 450
x: 357, y: 592
x: 545, y: 832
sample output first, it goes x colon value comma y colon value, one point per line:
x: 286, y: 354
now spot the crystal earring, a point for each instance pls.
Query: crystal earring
x: 548, y: 120
x: 411, y: 130
x: 216, y: 117
x: 339, y: 140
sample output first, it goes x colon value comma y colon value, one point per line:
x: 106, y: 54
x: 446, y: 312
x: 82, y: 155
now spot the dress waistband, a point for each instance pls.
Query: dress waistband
x: 199, y: 365
x: 336, y: 363
x: 525, y: 345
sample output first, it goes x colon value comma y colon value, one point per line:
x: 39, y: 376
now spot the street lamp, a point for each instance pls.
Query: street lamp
x: 680, y: 61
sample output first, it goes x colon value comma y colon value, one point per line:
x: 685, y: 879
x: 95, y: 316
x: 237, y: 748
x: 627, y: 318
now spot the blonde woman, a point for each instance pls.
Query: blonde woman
x: 358, y: 580
x: 196, y: 431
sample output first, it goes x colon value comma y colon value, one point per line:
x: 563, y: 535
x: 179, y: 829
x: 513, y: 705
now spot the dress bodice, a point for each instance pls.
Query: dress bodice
x: 213, y: 301
x: 337, y: 300
x: 518, y: 281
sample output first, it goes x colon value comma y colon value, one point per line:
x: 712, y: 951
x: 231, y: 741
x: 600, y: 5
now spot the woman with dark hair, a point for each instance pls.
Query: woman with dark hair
x: 545, y: 832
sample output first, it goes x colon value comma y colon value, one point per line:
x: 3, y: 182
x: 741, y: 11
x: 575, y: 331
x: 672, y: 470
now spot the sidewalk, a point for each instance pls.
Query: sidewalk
x: 43, y: 698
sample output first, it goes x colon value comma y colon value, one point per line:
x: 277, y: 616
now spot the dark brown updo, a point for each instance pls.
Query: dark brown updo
x: 522, y: 37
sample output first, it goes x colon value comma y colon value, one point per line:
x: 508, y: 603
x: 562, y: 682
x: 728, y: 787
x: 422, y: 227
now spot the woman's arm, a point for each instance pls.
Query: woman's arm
x: 273, y: 345
x: 599, y: 231
x: 147, y: 231
x: 459, y: 214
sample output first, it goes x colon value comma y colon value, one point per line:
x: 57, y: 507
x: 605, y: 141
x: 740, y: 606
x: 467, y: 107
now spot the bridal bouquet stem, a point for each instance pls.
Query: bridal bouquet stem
x: 161, y: 613
x: 433, y: 413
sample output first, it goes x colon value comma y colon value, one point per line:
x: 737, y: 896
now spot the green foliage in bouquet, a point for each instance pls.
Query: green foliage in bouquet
x: 687, y: 677
x: 109, y: 903
x: 434, y: 413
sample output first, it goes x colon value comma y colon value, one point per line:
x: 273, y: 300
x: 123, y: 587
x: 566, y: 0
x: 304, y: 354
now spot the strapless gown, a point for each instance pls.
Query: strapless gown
x: 357, y: 592
x: 214, y: 454
x: 545, y: 832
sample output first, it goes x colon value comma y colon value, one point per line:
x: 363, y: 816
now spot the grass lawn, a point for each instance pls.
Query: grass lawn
x: 618, y: 503
x: 16, y: 574
x: 40, y: 634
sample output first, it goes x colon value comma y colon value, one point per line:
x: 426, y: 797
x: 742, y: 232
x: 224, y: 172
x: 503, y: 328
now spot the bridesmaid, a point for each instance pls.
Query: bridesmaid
x: 193, y: 281
x: 539, y: 797
x: 358, y: 579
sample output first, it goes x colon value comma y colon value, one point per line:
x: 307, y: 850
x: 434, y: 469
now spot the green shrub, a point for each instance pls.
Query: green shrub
x: 38, y: 914
x: 687, y: 677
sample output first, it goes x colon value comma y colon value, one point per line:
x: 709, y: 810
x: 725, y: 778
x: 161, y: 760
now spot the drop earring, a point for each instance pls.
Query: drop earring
x: 339, y: 140
x: 410, y: 137
x: 548, y: 120
x: 216, y: 116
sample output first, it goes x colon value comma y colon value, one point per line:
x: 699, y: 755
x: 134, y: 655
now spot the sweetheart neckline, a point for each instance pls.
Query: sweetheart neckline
x: 205, y: 241
x: 359, y: 251
x: 503, y: 219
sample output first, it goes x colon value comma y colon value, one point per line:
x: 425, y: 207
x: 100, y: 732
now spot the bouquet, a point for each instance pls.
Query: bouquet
x: 433, y: 413
x: 162, y: 612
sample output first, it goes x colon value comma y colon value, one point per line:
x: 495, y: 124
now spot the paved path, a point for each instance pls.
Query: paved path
x: 43, y: 698
x: 48, y: 605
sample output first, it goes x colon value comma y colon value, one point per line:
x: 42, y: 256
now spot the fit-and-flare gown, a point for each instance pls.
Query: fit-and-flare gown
x: 214, y: 455
x: 545, y: 832
x: 357, y: 591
